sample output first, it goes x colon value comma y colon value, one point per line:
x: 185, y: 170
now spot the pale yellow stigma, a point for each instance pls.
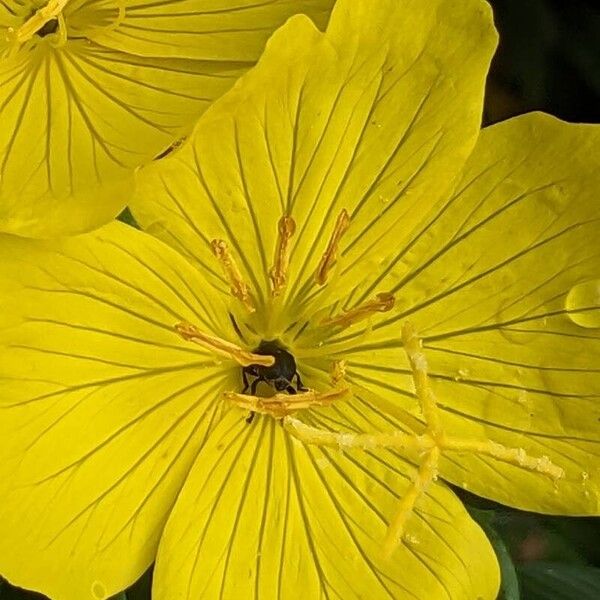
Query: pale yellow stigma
x: 278, y: 273
x: 329, y: 257
x: 221, y: 347
x: 413, y: 348
x: 238, y: 288
x: 383, y: 302
x: 427, y: 472
x: 52, y: 10
x: 427, y: 442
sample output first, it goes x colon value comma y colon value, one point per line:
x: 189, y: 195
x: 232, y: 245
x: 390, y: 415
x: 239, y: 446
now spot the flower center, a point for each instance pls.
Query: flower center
x: 48, y: 28
x: 43, y: 22
x: 273, y: 363
x: 270, y: 383
x: 279, y: 375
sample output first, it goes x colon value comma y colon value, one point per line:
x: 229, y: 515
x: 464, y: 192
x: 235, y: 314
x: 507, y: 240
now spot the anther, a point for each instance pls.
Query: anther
x: 280, y: 406
x: 278, y: 273
x: 238, y: 288
x: 329, y: 257
x: 338, y: 372
x: 221, y: 347
x: 382, y: 302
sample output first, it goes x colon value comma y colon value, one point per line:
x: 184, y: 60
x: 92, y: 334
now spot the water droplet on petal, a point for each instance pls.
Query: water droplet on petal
x: 583, y: 304
x: 555, y: 199
x: 523, y: 397
x: 462, y: 374
x: 98, y: 590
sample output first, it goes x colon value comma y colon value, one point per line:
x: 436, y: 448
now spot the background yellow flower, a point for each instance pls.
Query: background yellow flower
x: 91, y: 89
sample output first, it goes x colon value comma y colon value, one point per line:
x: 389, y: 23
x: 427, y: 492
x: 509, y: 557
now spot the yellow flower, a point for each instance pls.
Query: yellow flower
x: 334, y: 210
x: 91, y: 89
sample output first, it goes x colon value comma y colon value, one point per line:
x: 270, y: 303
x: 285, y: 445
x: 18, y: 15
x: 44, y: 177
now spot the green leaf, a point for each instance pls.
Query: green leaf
x: 558, y: 581
x: 9, y: 592
x: 142, y: 588
x: 509, y: 586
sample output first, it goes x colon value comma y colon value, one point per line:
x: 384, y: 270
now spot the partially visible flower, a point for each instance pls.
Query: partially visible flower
x: 91, y: 89
x: 336, y: 207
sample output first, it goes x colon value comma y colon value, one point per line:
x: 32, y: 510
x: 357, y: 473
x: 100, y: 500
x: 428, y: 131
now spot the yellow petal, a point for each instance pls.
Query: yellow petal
x: 200, y: 29
x: 261, y: 515
x: 65, y: 165
x: 502, y: 284
x: 372, y: 116
x: 103, y: 406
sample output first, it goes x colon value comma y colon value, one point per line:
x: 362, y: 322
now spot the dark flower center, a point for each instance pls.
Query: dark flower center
x: 279, y: 375
x: 47, y: 28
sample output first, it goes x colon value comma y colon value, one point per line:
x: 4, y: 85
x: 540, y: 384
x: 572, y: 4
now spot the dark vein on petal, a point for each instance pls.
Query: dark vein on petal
x: 232, y: 238
x: 94, y: 503
x: 336, y: 505
x: 308, y: 534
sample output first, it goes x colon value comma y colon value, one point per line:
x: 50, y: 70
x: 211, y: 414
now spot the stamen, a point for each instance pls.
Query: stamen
x: 278, y: 274
x: 42, y: 16
x: 239, y: 289
x: 221, y: 347
x: 425, y: 475
x: 383, y: 302
x: 330, y: 255
x: 338, y: 372
x: 280, y: 405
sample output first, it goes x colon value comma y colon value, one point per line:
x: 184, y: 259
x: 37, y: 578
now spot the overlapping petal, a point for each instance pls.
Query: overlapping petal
x: 218, y: 30
x: 502, y: 283
x: 81, y: 110
x: 375, y: 116
x: 102, y: 406
x: 264, y: 516
x: 77, y: 120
